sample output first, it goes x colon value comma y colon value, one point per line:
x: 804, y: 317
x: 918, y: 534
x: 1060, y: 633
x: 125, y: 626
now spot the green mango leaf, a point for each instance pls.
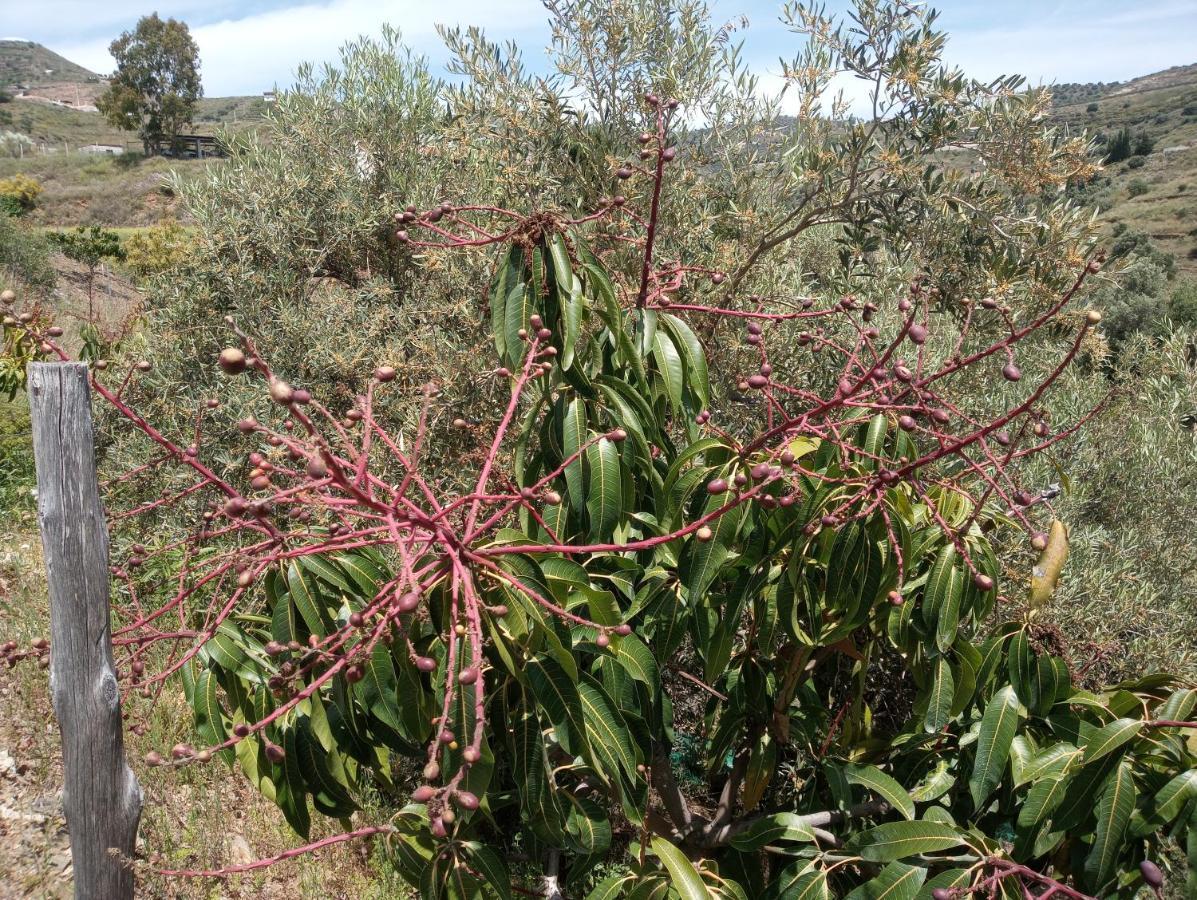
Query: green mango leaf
x: 669, y: 364
x: 682, y: 874
x: 897, y: 881
x: 637, y: 660
x: 1109, y: 738
x: 1114, y: 809
x: 896, y: 840
x: 613, y: 887
x: 606, y: 730
x: 998, y: 726
x: 693, y: 355
x: 605, y: 502
x: 557, y: 693
x: 506, y: 276
x: 701, y: 561
x: 573, y: 435
x: 777, y: 827
x: 939, y: 699
x: 885, y: 786
x: 306, y: 593
x: 1046, y: 793
x: 800, y: 882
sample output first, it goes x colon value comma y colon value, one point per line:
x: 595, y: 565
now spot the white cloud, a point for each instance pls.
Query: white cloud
x: 249, y: 54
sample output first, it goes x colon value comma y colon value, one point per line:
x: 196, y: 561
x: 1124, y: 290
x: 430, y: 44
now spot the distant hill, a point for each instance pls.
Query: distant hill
x: 29, y: 63
x: 54, y: 101
x: 1154, y: 192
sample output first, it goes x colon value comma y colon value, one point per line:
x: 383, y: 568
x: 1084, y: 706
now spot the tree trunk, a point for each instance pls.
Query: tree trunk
x: 101, y: 796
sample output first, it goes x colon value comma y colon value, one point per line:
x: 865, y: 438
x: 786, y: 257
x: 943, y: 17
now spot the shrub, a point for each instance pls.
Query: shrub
x: 1137, y: 188
x: 1144, y: 144
x: 25, y: 255
x: 792, y: 570
x: 509, y: 576
x: 89, y: 246
x: 21, y: 191
x: 1092, y: 108
x: 1136, y: 162
x: 157, y: 249
x: 1119, y: 147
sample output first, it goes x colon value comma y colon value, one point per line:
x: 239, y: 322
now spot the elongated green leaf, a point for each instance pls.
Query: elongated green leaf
x: 939, y: 699
x: 569, y: 294
x: 605, y: 501
x: 897, y: 881
x: 305, y: 591
x: 874, y: 442
x: 897, y: 840
x: 998, y: 725
x: 573, y: 435
x: 607, y: 731
x: 1114, y: 809
x: 777, y: 827
x: 886, y: 786
x: 378, y: 690
x: 1046, y: 793
x: 948, y: 619
x: 800, y: 882
x: 295, y: 809
x: 558, y: 696
x: 486, y: 863
x: 612, y: 887
x: 518, y: 309
x: 1173, y: 797
x: 1044, y: 761
x: 587, y: 825
x: 669, y: 364
x: 684, y: 877
x: 693, y: 356
x: 506, y: 275
x: 701, y: 561
x: 1178, y: 705
x: 938, y: 584
x: 1110, y: 737
x: 637, y: 660
x: 209, y: 716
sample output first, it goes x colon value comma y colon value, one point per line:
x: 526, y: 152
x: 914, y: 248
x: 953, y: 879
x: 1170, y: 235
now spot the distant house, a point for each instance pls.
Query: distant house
x: 268, y: 96
x: 102, y: 149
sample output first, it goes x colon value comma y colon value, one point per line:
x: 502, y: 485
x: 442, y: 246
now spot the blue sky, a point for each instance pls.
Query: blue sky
x: 247, y: 47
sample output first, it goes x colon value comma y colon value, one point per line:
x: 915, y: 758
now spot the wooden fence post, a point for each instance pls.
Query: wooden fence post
x: 101, y: 796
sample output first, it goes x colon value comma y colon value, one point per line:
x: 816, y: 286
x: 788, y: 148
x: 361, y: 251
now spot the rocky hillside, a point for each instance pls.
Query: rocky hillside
x: 1154, y: 192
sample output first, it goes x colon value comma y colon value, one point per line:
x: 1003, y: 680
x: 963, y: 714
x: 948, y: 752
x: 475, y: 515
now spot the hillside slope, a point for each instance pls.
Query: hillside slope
x: 29, y: 63
x: 1156, y: 192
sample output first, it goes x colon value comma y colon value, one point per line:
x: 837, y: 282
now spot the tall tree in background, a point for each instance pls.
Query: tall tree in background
x: 157, y: 80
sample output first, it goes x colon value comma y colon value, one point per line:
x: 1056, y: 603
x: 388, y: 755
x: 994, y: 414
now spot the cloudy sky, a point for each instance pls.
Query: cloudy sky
x: 251, y: 45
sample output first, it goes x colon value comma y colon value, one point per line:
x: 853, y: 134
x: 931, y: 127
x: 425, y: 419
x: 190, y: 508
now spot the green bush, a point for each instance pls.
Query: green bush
x: 295, y: 239
x: 1138, y: 187
x: 157, y: 249
x: 1136, y: 162
x: 25, y: 255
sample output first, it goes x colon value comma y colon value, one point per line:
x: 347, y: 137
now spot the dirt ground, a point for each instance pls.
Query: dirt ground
x: 204, y: 817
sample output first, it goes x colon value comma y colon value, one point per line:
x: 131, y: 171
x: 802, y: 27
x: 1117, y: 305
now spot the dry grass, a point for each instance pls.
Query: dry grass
x: 103, y: 190
x: 195, y: 817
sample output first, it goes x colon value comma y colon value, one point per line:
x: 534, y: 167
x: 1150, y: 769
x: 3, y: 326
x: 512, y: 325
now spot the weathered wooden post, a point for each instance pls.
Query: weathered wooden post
x: 101, y: 796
